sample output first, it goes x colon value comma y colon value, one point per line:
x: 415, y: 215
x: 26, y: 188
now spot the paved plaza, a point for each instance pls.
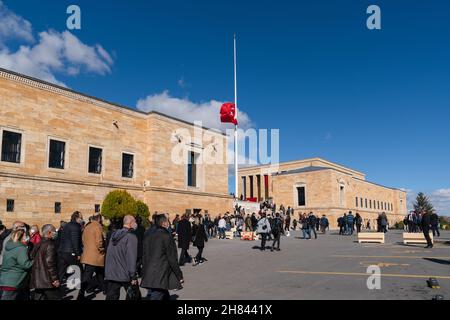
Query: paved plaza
x: 331, y: 267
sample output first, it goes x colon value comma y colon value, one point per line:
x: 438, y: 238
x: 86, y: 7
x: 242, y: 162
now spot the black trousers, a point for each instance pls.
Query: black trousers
x: 199, y: 257
x: 426, y: 233
x: 276, y: 239
x: 341, y: 229
x: 435, y: 230
x: 113, y: 289
x: 184, y: 257
x: 47, y: 294
x: 358, y: 228
x: 263, y: 241
x: 88, y: 277
x: 66, y: 260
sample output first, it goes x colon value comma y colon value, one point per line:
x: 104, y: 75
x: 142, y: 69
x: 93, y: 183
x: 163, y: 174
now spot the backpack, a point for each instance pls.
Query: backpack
x: 277, y: 227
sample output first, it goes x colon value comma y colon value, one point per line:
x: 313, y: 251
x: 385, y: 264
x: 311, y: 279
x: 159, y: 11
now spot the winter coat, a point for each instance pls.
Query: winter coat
x: 44, y: 271
x: 199, y: 236
x: 160, y: 266
x: 426, y: 222
x: 70, y: 239
x: 35, y: 238
x: 121, y: 256
x: 184, y: 234
x: 16, y: 265
x: 93, y: 245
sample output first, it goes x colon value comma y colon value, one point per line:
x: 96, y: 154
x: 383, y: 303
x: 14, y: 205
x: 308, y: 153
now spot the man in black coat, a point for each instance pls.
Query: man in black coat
x: 425, y: 224
x: 70, y: 245
x: 434, y: 221
x: 184, y: 239
x: 160, y: 272
x: 44, y: 274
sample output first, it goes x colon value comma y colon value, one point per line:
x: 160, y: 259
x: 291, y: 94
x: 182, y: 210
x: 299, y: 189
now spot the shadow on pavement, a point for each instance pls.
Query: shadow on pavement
x: 440, y: 261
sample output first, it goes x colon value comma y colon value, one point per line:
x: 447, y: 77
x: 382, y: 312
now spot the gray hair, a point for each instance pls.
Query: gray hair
x: 47, y: 228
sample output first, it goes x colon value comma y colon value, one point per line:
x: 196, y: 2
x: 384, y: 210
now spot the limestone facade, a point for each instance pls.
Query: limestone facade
x: 325, y: 188
x: 44, y: 114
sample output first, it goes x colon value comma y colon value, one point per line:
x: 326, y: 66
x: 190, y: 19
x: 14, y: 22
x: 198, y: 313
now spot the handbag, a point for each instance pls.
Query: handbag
x: 133, y: 293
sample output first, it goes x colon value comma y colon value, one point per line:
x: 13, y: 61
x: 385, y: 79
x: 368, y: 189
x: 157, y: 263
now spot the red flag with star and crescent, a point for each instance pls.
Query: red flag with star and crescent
x: 228, y: 113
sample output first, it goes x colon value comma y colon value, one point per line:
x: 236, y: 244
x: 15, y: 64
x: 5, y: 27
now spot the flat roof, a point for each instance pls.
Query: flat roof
x: 102, y: 100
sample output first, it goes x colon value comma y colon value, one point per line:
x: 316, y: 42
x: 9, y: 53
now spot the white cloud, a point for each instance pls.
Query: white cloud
x: 54, y: 52
x: 206, y: 112
x: 441, y: 201
x: 13, y: 26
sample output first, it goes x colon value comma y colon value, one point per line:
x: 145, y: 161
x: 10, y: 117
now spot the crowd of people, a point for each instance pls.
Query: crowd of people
x: 35, y: 262
x: 413, y: 222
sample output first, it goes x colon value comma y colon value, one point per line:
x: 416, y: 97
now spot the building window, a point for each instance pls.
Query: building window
x: 361, y: 202
x: 11, y: 146
x: 366, y: 202
x: 9, y: 205
x: 192, y: 170
x: 370, y: 204
x: 356, y: 201
x: 97, y: 208
x: 341, y: 195
x: 378, y: 203
x: 57, y: 207
x: 251, y: 186
x: 301, y: 196
x: 56, y: 154
x: 95, y: 160
x: 127, y: 165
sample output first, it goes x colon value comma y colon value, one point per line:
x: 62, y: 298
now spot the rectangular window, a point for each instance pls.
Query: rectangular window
x: 356, y: 201
x: 11, y: 146
x: 370, y: 204
x: 9, y: 205
x: 366, y: 202
x: 127, y: 165
x: 56, y: 154
x: 95, y: 160
x: 97, y: 208
x: 192, y: 170
x: 361, y: 202
x: 301, y: 196
x: 378, y: 203
x: 57, y: 207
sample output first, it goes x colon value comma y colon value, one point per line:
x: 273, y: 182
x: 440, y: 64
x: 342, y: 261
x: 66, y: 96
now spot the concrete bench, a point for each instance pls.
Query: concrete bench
x: 376, y: 237
x: 418, y: 238
x: 229, y: 235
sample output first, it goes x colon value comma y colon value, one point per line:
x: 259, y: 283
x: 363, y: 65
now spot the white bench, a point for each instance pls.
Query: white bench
x: 376, y: 237
x: 229, y: 235
x: 418, y: 238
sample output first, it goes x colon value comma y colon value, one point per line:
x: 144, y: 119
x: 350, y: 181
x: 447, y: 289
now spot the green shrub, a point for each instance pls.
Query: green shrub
x: 399, y: 225
x: 118, y: 204
x: 143, y: 211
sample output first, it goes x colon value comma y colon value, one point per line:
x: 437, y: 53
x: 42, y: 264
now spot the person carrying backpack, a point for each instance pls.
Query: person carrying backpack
x: 323, y: 224
x: 312, y: 224
x: 263, y: 229
x: 350, y: 221
x: 277, y: 230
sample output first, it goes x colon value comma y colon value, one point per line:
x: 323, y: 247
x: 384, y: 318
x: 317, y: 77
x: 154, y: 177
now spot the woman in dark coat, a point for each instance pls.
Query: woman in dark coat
x: 184, y: 232
x: 199, y: 237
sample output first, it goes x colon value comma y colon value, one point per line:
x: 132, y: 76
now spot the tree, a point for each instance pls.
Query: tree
x: 118, y: 204
x: 422, y: 203
x: 142, y: 210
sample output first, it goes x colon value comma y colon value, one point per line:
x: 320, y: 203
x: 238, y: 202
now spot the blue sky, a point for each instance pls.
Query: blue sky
x: 376, y: 101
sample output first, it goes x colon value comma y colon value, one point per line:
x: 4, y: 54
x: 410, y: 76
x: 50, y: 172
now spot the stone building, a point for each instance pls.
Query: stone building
x: 322, y: 187
x: 63, y: 151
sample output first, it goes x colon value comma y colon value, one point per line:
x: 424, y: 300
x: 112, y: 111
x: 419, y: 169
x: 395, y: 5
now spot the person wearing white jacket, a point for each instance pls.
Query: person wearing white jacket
x: 263, y: 229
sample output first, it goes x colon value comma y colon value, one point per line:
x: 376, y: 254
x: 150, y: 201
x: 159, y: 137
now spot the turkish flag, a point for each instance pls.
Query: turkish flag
x: 228, y: 113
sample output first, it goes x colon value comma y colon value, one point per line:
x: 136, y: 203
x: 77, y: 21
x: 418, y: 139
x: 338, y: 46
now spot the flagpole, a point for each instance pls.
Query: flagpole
x: 235, y: 127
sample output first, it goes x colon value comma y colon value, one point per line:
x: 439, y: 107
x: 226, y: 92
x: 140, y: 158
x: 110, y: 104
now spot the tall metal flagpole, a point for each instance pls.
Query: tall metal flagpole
x: 235, y: 127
